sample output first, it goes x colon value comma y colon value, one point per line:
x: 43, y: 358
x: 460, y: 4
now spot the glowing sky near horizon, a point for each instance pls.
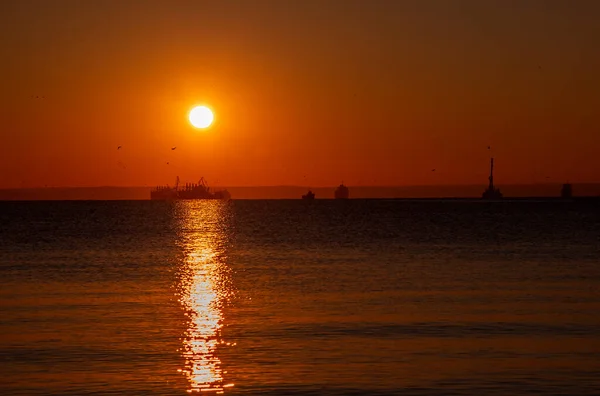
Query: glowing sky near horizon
x: 307, y: 93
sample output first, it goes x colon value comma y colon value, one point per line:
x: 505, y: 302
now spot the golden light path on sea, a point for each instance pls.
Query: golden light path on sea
x: 203, y: 290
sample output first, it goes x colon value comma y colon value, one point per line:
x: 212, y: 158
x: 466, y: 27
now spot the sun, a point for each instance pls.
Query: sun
x: 201, y: 117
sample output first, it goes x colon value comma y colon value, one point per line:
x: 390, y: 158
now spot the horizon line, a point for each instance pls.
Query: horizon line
x: 308, y: 186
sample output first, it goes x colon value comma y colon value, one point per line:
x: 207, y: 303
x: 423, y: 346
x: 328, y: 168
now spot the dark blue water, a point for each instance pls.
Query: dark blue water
x: 303, y: 298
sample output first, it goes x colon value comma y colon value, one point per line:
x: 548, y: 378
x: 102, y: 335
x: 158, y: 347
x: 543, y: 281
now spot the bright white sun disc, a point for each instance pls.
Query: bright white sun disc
x: 201, y: 117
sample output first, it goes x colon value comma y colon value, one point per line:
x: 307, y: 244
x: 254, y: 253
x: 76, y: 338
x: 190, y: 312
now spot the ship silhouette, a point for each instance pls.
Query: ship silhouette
x: 309, y: 195
x: 567, y: 191
x: 199, y: 190
x: 341, y: 192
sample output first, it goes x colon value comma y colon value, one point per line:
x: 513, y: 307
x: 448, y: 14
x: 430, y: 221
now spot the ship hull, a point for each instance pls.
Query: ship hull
x: 181, y: 196
x: 163, y: 196
x: 184, y: 199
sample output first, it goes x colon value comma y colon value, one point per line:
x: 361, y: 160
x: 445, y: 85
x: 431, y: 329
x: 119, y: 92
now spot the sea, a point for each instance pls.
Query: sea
x: 292, y: 297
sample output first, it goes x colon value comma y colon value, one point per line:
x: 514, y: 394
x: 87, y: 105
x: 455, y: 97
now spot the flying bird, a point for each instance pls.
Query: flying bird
x: 173, y: 148
x: 119, y: 148
x: 167, y: 163
x: 433, y: 170
x: 489, y: 147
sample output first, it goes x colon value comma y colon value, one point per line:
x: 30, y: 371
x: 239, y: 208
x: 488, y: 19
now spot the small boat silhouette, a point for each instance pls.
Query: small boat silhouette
x: 309, y: 195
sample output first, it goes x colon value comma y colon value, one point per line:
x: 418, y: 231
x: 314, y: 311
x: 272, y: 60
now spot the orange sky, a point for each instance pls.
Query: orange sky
x: 304, y: 92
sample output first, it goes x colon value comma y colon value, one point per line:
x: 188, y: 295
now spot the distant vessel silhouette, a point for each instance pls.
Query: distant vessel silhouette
x: 198, y: 190
x: 567, y: 191
x: 164, y: 193
x: 309, y: 195
x: 492, y: 192
x: 341, y: 192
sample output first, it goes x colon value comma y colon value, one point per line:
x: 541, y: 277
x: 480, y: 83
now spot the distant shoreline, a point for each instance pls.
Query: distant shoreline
x: 458, y: 192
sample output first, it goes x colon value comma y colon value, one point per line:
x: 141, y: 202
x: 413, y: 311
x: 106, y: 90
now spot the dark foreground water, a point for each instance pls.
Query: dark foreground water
x: 292, y: 297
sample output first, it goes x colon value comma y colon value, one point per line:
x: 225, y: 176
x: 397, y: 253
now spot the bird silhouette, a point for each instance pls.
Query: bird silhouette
x: 173, y: 148
x: 167, y: 163
x: 433, y: 170
x: 119, y: 148
x: 489, y: 147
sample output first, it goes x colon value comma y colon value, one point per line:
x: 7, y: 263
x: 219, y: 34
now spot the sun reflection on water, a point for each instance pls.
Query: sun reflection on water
x: 203, y: 289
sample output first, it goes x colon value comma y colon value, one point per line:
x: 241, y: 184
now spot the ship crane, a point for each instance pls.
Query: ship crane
x: 203, y: 183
